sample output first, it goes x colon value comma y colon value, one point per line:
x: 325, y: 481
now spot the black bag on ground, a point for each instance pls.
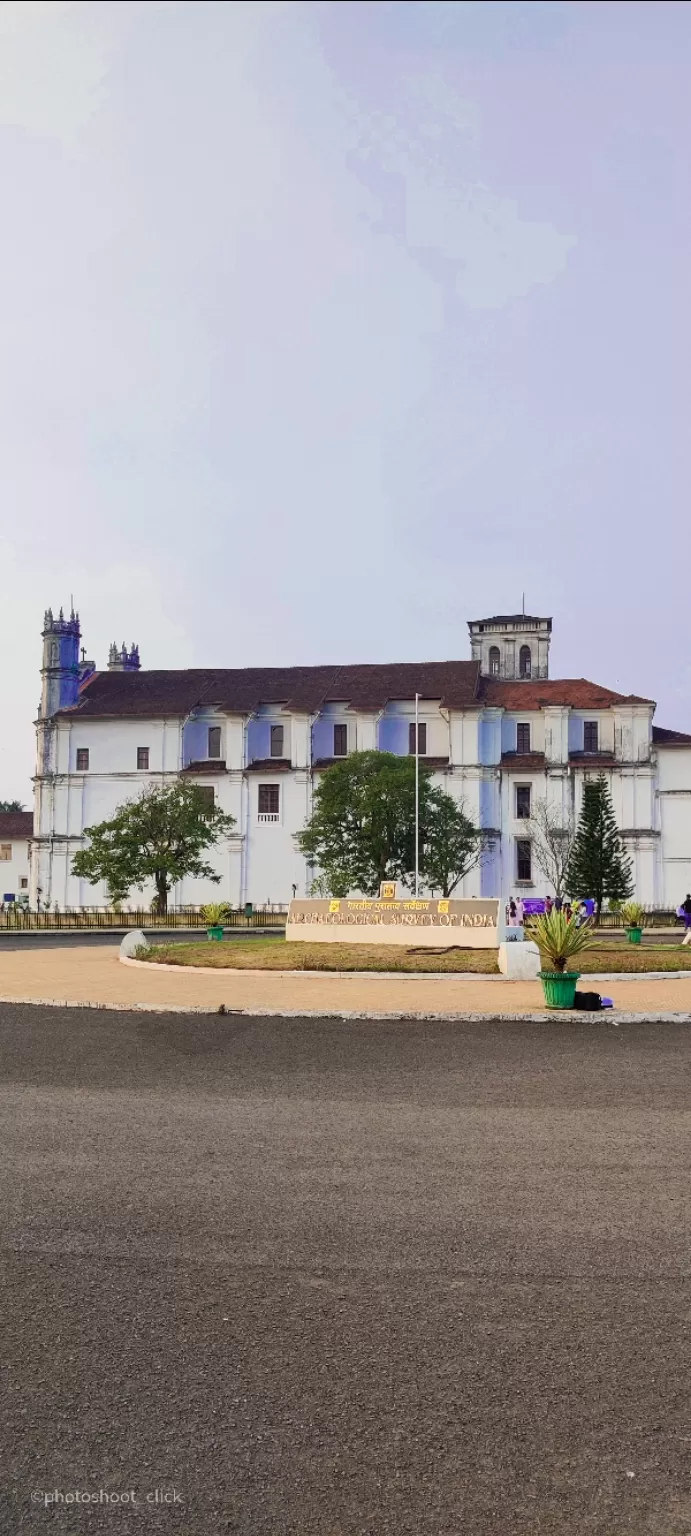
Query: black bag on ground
x: 591, y: 1002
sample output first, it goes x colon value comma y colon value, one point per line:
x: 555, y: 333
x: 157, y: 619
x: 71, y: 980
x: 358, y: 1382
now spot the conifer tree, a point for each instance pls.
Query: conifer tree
x: 598, y: 867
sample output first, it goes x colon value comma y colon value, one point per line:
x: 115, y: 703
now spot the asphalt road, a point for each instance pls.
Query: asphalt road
x: 314, y: 1278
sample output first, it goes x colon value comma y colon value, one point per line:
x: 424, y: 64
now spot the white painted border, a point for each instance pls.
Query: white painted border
x: 479, y: 976
x: 546, y: 1016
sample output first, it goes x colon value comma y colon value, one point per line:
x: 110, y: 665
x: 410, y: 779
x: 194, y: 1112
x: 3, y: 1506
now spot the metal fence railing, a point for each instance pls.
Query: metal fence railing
x: 653, y: 917
x: 16, y: 918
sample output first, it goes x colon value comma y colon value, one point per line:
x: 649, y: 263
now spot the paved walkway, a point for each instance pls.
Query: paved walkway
x: 95, y: 975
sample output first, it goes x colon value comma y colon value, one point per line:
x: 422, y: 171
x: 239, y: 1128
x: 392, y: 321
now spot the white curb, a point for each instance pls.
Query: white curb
x: 479, y: 976
x: 546, y: 1016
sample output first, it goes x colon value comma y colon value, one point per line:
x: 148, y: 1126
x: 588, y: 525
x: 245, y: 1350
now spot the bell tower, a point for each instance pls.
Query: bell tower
x: 513, y: 646
x: 60, y: 665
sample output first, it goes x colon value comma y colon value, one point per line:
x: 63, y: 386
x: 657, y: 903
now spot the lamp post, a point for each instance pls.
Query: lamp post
x: 417, y: 791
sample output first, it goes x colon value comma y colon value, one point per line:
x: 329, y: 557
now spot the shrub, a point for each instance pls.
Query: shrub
x: 215, y: 913
x: 558, y: 938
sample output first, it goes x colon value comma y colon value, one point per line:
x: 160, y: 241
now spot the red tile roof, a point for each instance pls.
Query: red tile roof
x: 576, y: 692
x: 665, y: 738
x: 16, y: 824
x: 155, y: 695
x: 456, y: 684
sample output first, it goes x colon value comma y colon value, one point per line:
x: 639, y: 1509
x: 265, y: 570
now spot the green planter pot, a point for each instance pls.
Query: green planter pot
x: 634, y: 935
x: 559, y: 987
x: 215, y: 933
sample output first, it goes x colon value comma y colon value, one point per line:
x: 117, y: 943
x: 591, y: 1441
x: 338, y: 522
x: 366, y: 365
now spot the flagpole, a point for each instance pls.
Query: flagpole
x: 417, y: 791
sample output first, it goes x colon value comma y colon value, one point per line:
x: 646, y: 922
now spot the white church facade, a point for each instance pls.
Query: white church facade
x: 496, y: 731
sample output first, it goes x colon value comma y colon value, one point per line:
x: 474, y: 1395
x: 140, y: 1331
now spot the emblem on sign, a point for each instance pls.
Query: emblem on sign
x: 387, y: 890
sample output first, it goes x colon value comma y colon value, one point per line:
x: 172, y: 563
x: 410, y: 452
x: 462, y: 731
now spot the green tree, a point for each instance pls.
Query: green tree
x: 162, y: 836
x: 11, y: 805
x: 598, y: 867
x: 362, y: 828
x: 451, y: 845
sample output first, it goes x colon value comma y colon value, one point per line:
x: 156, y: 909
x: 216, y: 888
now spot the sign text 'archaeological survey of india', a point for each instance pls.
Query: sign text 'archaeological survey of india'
x: 435, y: 922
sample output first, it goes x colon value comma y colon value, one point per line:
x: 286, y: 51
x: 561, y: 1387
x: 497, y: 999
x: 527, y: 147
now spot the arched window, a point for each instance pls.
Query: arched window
x: 524, y: 661
x: 494, y: 661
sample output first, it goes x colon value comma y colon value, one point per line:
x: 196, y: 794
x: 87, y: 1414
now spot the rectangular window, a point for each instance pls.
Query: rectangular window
x: 5, y: 852
x: 590, y: 736
x: 277, y: 741
x: 207, y: 793
x: 268, y: 806
x: 524, y: 862
x: 340, y: 741
x: 24, y: 883
x: 82, y: 759
x: 214, y: 743
x: 422, y: 739
x: 522, y: 801
x: 142, y: 757
x: 522, y: 738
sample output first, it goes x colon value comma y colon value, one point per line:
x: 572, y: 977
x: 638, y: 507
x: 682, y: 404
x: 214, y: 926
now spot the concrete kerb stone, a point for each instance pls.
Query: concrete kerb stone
x: 546, y: 1016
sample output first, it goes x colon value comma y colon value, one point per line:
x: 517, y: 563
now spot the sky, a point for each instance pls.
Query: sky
x: 326, y: 327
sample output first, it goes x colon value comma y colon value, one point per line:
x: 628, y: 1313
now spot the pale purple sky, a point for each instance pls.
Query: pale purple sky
x: 326, y: 327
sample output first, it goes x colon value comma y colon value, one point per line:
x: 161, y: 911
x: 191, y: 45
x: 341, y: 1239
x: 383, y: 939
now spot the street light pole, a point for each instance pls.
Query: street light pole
x: 417, y: 791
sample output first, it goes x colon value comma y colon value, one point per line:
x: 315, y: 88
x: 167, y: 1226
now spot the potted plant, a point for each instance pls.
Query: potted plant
x: 558, y: 939
x: 213, y: 915
x: 632, y: 916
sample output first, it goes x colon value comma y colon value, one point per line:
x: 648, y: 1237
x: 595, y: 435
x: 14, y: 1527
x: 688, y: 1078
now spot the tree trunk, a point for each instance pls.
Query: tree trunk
x: 162, y: 891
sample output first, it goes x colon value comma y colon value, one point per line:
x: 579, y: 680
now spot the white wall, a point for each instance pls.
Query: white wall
x: 259, y: 862
x: 14, y: 872
x: 674, y: 809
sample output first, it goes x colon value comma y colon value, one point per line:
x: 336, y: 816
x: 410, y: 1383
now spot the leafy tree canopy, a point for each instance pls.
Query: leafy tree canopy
x: 11, y: 805
x: 362, y: 829
x: 451, y: 844
x: 162, y: 836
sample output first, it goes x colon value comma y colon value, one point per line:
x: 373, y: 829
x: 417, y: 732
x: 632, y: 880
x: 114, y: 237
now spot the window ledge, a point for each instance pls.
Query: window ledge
x: 269, y: 765
x: 207, y: 765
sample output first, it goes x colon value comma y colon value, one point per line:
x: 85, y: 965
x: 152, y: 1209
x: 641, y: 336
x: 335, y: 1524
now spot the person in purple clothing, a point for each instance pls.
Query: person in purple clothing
x: 548, y: 905
x: 685, y: 910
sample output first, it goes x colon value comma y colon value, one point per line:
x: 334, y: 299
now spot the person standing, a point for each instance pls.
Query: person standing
x: 520, y: 911
x: 548, y: 905
x: 513, y: 920
x: 558, y: 904
x: 685, y: 910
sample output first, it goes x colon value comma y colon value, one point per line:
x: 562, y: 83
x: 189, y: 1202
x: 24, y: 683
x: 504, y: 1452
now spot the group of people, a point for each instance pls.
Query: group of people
x: 516, y: 910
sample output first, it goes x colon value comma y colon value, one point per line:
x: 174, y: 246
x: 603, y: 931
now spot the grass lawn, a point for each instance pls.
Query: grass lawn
x: 273, y: 954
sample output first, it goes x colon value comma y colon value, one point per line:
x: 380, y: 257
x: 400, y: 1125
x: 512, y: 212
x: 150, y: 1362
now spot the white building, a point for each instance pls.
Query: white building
x: 16, y: 831
x: 497, y: 732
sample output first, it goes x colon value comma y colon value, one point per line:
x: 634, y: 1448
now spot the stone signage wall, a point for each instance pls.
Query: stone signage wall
x: 434, y: 922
